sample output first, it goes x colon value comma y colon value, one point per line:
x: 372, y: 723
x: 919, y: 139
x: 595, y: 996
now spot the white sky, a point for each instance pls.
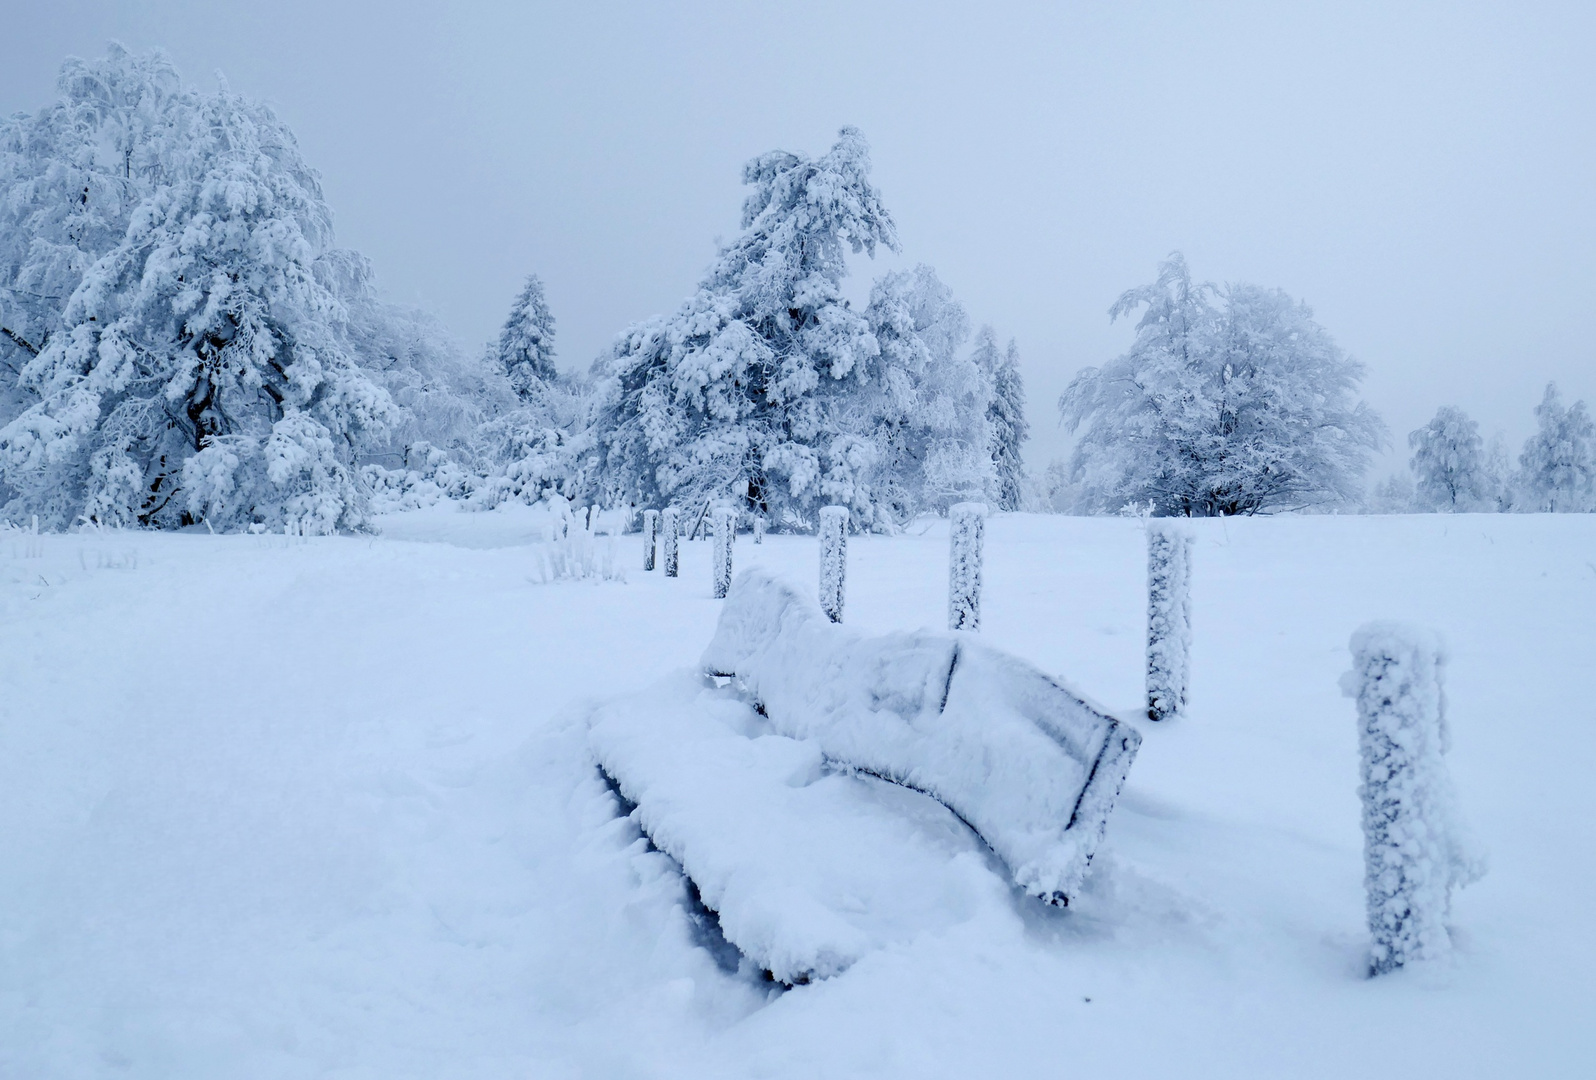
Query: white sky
x: 1425, y: 177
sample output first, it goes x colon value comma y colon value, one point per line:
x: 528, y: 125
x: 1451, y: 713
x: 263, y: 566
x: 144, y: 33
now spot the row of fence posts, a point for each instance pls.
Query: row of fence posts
x: 1396, y: 680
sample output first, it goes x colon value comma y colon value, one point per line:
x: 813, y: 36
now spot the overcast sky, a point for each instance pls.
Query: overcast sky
x: 1424, y: 175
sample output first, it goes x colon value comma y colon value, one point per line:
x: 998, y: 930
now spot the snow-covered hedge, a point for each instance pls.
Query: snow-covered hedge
x: 1029, y: 763
x: 1416, y: 849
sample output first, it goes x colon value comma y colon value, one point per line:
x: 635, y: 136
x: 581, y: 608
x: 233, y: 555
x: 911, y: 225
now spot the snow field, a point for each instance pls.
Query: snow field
x: 326, y: 807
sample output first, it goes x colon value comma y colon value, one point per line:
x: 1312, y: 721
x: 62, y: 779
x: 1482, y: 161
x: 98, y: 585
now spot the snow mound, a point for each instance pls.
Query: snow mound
x: 1027, y: 762
x: 807, y: 868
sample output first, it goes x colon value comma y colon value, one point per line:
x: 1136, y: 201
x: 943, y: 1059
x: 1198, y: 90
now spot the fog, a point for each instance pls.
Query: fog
x: 1422, y: 178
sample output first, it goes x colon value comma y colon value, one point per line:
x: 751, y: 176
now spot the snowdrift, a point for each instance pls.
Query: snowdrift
x: 769, y: 791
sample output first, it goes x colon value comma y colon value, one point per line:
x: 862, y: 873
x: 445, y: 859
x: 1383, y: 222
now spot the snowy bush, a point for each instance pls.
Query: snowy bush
x: 1243, y: 407
x: 1415, y: 848
x: 429, y: 476
x: 574, y: 550
x: 966, y: 528
x: 1168, y: 617
x: 833, y: 560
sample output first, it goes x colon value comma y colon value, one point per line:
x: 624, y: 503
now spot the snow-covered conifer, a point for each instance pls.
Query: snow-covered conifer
x: 1168, y: 617
x: 1229, y: 409
x: 833, y: 560
x: 650, y: 533
x: 736, y: 393
x: 670, y: 538
x: 1005, y: 416
x: 966, y: 525
x: 1557, y: 470
x: 526, y: 344
x: 1414, y: 846
x: 1449, y: 466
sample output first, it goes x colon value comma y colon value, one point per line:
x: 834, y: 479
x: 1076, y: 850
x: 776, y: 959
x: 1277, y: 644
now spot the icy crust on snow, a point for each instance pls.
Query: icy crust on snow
x: 1029, y: 764
x: 807, y: 868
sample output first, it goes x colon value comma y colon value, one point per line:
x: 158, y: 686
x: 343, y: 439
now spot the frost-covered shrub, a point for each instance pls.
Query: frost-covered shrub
x: 1415, y: 847
x: 574, y: 550
x: 429, y: 476
x: 1168, y: 617
x: 724, y: 520
x: 966, y: 526
x: 833, y: 560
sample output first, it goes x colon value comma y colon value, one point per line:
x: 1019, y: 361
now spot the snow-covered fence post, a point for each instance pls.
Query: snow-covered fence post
x: 759, y: 528
x: 670, y: 537
x: 967, y: 522
x: 650, y: 533
x: 1415, y: 849
x: 1168, y: 617
x: 724, y: 522
x: 833, y: 559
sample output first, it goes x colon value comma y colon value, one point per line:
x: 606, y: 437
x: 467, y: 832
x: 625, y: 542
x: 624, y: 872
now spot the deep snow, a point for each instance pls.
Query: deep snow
x: 282, y: 808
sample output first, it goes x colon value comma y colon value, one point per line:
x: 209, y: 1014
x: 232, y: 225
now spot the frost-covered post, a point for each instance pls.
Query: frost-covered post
x: 724, y: 520
x: 967, y: 522
x: 833, y: 559
x: 1415, y: 849
x: 759, y: 528
x: 1168, y: 617
x: 650, y: 533
x: 670, y: 536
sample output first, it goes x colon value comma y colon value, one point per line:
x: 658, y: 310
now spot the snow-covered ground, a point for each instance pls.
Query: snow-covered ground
x: 275, y: 807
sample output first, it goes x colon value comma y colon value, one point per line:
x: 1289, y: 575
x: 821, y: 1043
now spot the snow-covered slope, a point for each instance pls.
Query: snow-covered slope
x: 284, y: 808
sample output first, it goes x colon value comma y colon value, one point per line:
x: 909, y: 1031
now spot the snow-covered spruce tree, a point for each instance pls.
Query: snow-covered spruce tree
x: 966, y: 529
x: 192, y: 366
x: 921, y: 407
x: 833, y: 560
x: 737, y: 394
x: 1415, y: 848
x: 1005, y: 417
x: 526, y: 344
x: 1234, y: 407
x: 1557, y: 470
x: 1449, y: 466
x: 1168, y: 618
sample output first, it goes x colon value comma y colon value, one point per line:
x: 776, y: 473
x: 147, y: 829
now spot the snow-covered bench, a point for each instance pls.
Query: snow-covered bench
x: 769, y: 790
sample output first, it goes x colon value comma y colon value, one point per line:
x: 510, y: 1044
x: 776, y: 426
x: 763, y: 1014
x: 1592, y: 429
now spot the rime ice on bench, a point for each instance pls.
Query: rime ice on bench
x: 1027, y: 762
x: 1415, y: 848
x: 1168, y: 617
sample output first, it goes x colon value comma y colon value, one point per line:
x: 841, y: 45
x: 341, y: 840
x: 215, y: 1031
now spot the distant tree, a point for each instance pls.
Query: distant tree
x: 1005, y: 417
x: 1234, y: 407
x: 741, y: 392
x: 1557, y: 470
x: 526, y: 344
x: 1449, y: 466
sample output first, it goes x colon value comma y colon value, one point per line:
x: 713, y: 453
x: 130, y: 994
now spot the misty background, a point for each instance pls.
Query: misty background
x: 1422, y: 177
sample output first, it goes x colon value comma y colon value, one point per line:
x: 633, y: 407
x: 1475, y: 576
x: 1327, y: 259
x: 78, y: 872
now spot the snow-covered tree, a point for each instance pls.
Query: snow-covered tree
x: 1230, y: 401
x: 1557, y: 470
x: 184, y: 360
x: 1005, y: 416
x: 736, y: 393
x: 526, y: 344
x: 1449, y: 465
